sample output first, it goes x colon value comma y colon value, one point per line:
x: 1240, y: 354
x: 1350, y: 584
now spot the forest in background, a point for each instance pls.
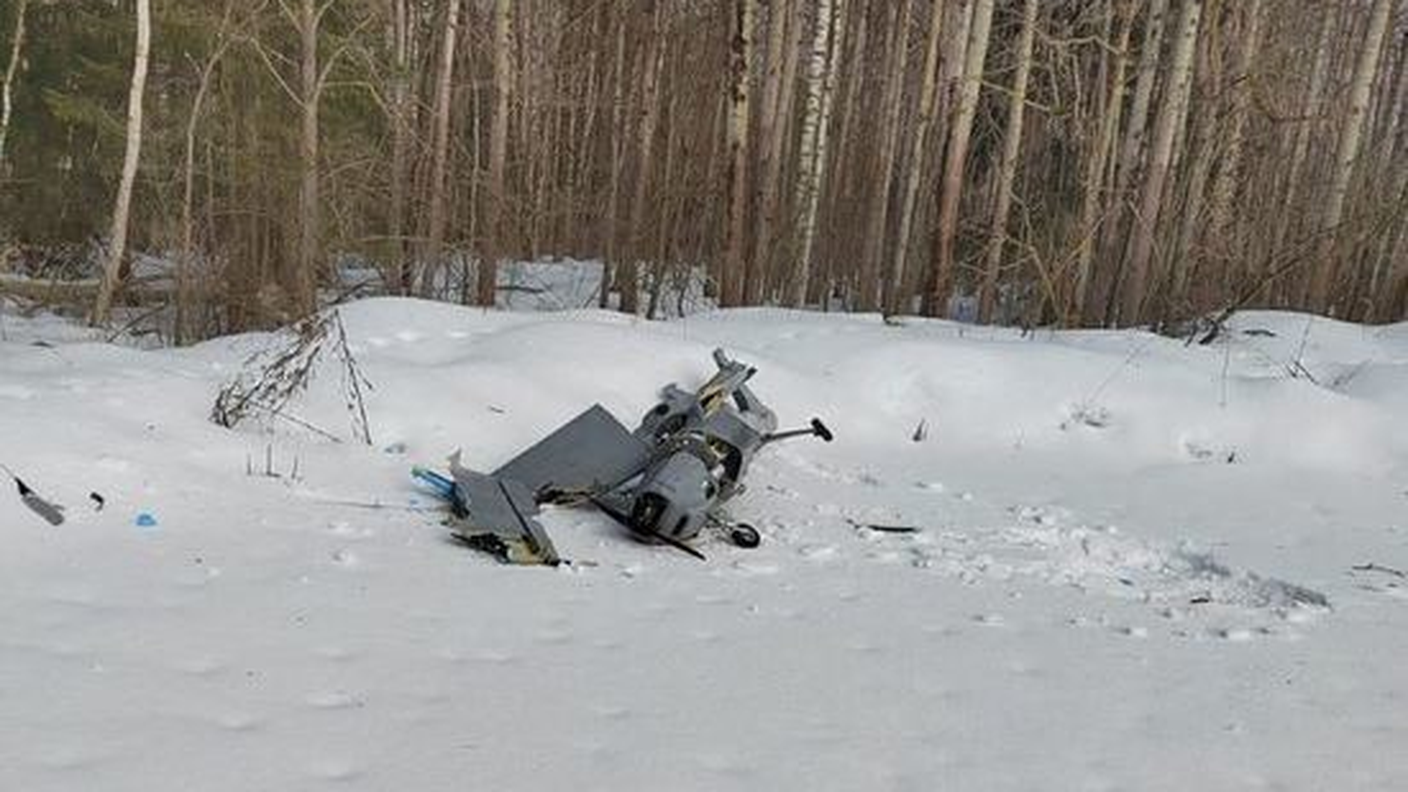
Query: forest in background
x: 1033, y: 162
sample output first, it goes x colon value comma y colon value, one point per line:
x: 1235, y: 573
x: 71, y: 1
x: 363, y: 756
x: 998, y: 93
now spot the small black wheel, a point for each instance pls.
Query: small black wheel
x: 745, y: 536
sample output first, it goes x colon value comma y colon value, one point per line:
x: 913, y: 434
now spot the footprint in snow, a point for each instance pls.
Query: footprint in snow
x: 239, y: 721
x: 553, y: 637
x: 336, y: 654
x: 203, y: 666
x: 334, y: 700
x: 16, y: 392
x: 334, y: 770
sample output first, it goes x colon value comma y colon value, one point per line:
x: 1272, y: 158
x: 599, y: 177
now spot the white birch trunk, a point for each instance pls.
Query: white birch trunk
x: 741, y: 58
x: 488, y: 285
x: 7, y: 90
x: 440, y: 146
x: 1167, y: 127
x: 821, y: 86
x: 950, y: 200
x: 1351, y: 138
x: 118, y: 234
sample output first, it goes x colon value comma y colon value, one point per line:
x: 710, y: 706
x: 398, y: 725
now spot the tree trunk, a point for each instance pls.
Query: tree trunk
x: 7, y: 90
x: 941, y: 278
x: 840, y: 199
x: 816, y: 126
x: 1324, y: 271
x: 610, y: 224
x: 305, y: 279
x: 871, y: 282
x: 188, y: 179
x: 1133, y: 142
x: 769, y: 132
x: 741, y: 69
x: 1224, y: 187
x: 403, y: 274
x: 118, y: 243
x: 1007, y: 170
x: 650, y: 99
x: 498, y: 154
x: 1094, y: 212
x: 1305, y: 127
x: 1167, y: 126
x: 440, y: 146
x: 928, y: 100
x: 1186, y: 255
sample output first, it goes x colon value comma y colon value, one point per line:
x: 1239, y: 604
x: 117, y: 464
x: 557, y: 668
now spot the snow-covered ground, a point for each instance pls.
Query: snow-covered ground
x: 1135, y: 566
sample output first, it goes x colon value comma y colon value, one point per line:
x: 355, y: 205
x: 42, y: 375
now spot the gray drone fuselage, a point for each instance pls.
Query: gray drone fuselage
x: 666, y: 480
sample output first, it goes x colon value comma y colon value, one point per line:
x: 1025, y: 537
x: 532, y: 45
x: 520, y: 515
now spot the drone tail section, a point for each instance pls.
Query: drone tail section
x: 498, y: 516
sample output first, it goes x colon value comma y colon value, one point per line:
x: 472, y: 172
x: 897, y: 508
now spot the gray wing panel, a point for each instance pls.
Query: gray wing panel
x: 502, y: 508
x: 591, y: 450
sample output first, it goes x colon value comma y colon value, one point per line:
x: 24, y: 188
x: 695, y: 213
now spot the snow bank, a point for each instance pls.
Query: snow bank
x: 1134, y: 564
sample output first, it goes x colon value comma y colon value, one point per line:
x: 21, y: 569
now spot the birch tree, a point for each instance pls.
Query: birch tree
x: 1347, y: 156
x: 952, y: 191
x: 440, y: 146
x: 740, y: 69
x: 892, y: 105
x: 1007, y: 169
x: 400, y: 112
x: 928, y: 102
x: 498, y: 153
x: 645, y: 148
x: 1096, y: 173
x: 117, y: 243
x: 1168, y: 125
x: 1133, y: 141
x: 816, y: 125
x: 7, y: 90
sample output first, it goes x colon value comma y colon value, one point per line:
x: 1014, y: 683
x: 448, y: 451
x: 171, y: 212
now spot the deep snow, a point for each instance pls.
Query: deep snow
x: 1134, y: 569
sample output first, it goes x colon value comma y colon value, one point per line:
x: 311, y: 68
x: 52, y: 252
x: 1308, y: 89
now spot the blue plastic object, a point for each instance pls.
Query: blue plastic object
x: 146, y: 520
x: 442, y: 486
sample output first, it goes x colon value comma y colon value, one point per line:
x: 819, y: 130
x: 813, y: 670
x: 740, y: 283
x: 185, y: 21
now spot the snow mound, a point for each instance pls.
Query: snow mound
x: 290, y: 614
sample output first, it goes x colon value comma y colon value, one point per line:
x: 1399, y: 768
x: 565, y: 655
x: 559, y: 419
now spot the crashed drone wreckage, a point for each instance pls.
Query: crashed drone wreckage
x: 665, y: 482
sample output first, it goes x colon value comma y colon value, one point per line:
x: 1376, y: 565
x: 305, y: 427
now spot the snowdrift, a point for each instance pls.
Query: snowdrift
x: 1136, y: 563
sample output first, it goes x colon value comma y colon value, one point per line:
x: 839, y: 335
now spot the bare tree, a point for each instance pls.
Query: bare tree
x: 1095, y: 213
x: 1007, y: 169
x: 645, y: 146
x: 1167, y: 126
x: 943, y: 264
x: 440, y: 146
x: 117, y: 245
x: 816, y: 124
x: 7, y: 90
x: 892, y: 105
x: 307, y: 21
x: 928, y: 102
x: 400, y: 112
x: 773, y: 134
x: 1347, y: 156
x: 1305, y: 127
x: 610, y: 225
x: 187, y: 254
x: 740, y: 68
x: 498, y: 153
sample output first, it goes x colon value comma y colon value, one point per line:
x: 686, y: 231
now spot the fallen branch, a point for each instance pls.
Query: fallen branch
x: 894, y: 529
x: 1372, y: 567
